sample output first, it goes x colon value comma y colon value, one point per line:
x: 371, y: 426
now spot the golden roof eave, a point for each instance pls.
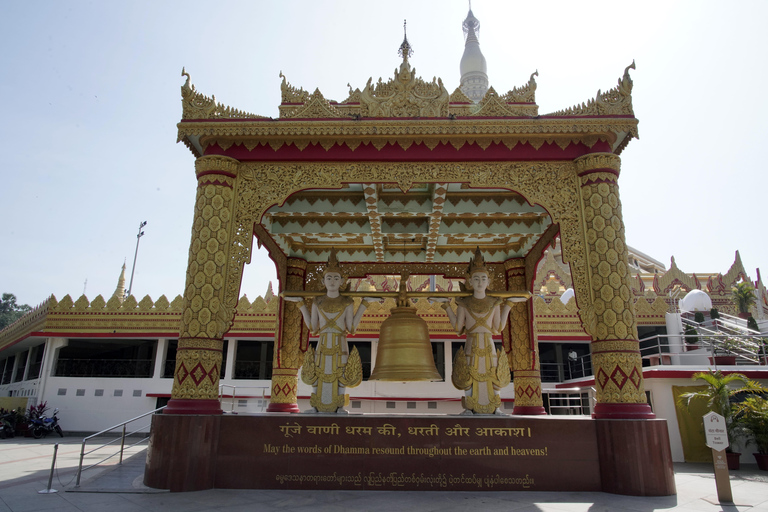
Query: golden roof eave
x: 326, y: 132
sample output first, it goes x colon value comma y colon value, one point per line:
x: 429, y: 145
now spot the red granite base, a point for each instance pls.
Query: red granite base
x: 367, y: 452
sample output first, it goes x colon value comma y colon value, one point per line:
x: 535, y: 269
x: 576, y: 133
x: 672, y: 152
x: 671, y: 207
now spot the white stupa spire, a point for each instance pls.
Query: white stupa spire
x: 474, y: 72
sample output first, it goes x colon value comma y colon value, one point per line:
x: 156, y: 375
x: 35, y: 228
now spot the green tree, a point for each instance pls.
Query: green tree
x: 10, y: 311
x: 743, y: 295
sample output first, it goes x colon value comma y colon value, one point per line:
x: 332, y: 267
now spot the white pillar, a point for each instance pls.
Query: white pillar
x: 674, y: 330
x: 229, y: 371
x: 161, y: 351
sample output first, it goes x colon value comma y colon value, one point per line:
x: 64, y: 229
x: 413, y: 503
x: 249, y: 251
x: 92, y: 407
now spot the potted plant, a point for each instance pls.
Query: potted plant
x: 752, y: 323
x: 743, y: 294
x: 691, y: 338
x: 718, y: 395
x: 698, y: 317
x: 751, y: 417
x: 725, y: 351
x: 714, y: 314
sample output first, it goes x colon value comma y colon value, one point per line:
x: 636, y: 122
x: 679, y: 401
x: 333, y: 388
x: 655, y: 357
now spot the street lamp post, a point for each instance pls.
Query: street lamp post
x: 138, y: 237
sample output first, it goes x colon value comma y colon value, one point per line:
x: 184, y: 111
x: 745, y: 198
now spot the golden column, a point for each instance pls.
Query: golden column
x: 210, y: 296
x: 291, y: 343
x: 524, y: 354
x: 607, y: 311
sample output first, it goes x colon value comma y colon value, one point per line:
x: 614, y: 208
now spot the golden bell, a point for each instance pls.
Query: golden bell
x: 405, y: 352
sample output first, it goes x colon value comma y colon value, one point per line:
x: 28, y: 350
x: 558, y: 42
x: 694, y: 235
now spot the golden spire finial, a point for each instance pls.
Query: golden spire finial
x: 405, y: 50
x: 477, y: 264
x: 333, y: 263
x: 120, y: 289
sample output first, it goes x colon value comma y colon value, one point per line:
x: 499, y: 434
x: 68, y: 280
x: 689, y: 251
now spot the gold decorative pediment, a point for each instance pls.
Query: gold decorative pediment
x: 492, y: 105
x: 316, y: 107
x: 198, y: 106
x: 405, y: 95
x: 617, y: 101
x: 524, y: 94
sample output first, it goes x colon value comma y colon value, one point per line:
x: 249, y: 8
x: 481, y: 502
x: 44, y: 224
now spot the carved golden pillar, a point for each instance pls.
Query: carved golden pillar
x: 291, y: 343
x: 607, y: 310
x: 524, y: 353
x: 214, y: 272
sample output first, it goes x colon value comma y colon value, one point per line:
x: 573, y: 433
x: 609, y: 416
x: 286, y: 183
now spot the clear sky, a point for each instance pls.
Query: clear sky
x: 91, y: 94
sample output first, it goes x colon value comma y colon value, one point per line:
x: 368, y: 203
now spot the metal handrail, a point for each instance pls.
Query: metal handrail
x: 750, y: 350
x: 122, y: 442
x: 234, y: 394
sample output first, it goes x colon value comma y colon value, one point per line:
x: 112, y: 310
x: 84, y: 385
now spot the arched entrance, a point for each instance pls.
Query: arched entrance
x: 385, y: 165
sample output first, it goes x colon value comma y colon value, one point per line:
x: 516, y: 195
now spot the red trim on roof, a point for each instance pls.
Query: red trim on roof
x: 564, y: 338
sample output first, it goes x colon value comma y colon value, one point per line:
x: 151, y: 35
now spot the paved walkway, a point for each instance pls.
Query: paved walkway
x: 25, y: 467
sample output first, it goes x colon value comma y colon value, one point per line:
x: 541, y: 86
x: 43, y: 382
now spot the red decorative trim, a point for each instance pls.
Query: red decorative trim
x: 207, y: 406
x: 293, y: 408
x: 529, y: 410
x: 623, y: 412
x: 687, y: 374
x: 219, y: 173
x: 418, y: 152
x: 158, y: 395
x: 203, y: 183
x: 601, y: 169
x: 565, y: 338
x: 107, y: 334
x: 179, y: 349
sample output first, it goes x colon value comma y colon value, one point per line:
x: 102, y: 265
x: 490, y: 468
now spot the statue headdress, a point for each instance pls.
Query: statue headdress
x: 477, y: 264
x: 333, y: 263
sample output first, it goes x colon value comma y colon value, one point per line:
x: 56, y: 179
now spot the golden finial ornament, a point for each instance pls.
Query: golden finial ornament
x: 333, y: 263
x: 477, y: 264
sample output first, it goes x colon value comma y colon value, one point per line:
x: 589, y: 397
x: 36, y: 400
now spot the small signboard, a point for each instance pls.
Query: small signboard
x: 715, y: 432
x: 717, y: 438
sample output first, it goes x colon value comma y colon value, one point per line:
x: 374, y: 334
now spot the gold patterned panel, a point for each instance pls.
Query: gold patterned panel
x: 198, y: 366
x: 285, y: 383
x: 618, y: 371
x: 527, y: 386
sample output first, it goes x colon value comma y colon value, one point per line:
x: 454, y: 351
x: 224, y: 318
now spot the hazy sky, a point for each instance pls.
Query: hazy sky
x: 91, y: 101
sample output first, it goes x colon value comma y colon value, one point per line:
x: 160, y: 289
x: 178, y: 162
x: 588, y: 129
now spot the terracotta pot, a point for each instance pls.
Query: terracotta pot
x: 733, y: 459
x: 762, y: 460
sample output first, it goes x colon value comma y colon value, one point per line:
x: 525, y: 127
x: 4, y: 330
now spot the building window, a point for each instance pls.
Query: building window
x: 169, y: 366
x: 391, y: 405
x: 438, y: 354
x: 431, y: 405
x: 22, y: 366
x: 36, y: 362
x: 8, y: 370
x: 253, y: 359
x: 113, y: 358
x: 410, y: 405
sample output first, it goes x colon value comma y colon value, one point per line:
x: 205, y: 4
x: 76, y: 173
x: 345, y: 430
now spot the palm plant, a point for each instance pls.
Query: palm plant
x: 751, y: 417
x: 718, y: 395
x: 743, y: 294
